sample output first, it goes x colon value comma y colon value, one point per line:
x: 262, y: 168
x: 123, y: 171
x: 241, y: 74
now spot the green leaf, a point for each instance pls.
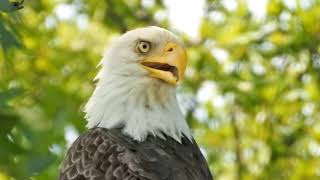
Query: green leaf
x: 7, y: 95
x: 7, y: 6
x: 7, y: 37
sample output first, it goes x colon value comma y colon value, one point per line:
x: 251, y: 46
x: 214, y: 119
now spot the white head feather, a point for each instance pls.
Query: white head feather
x: 125, y: 96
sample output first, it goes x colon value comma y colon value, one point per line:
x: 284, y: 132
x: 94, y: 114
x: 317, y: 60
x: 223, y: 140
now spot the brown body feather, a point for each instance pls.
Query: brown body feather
x: 102, y: 154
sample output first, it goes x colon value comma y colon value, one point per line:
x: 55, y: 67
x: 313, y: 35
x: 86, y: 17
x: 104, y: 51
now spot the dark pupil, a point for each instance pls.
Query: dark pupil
x: 144, y: 46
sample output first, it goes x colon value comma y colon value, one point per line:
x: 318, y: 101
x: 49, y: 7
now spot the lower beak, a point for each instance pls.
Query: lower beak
x: 169, y: 66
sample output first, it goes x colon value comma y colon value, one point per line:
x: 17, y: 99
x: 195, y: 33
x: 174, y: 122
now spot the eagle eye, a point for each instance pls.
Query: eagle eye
x: 143, y: 46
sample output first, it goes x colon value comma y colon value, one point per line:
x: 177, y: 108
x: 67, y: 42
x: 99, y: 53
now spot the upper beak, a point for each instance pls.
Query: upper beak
x: 169, y: 66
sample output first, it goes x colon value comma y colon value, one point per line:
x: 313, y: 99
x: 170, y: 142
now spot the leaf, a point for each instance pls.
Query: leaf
x: 7, y: 95
x: 7, y: 37
x: 8, y: 120
x: 36, y: 162
x: 7, y: 6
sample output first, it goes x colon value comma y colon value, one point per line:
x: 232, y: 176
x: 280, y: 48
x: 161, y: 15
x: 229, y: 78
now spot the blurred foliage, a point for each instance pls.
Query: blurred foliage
x: 252, y: 85
x: 8, y: 6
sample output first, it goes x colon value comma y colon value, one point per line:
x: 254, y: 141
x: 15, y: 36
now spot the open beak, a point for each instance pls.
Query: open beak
x: 169, y: 66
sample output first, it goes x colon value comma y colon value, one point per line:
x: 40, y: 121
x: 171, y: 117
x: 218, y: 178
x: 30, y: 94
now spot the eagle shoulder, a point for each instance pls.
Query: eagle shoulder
x: 95, y: 155
x: 110, y: 155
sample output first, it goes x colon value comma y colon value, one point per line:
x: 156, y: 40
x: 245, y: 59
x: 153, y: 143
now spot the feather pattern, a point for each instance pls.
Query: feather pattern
x: 108, y: 154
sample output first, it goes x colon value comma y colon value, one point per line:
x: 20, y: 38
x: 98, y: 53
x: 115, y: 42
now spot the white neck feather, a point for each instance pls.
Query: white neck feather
x: 140, y: 104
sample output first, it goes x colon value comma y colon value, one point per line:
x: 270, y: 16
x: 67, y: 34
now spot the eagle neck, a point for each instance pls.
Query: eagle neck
x: 141, y: 105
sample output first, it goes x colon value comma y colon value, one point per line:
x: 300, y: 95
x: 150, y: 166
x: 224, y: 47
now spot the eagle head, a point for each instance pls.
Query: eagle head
x: 136, y: 85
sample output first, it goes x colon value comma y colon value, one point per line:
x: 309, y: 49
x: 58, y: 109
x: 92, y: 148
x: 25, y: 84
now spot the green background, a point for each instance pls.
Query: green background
x: 251, y: 93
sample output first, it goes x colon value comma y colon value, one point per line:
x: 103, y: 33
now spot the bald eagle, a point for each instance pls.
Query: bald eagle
x: 136, y: 128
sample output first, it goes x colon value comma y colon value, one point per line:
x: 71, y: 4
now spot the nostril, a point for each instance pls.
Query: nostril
x: 170, y: 49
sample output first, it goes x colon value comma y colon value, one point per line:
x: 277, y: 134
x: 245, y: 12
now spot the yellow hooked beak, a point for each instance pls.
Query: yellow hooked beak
x: 169, y: 66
